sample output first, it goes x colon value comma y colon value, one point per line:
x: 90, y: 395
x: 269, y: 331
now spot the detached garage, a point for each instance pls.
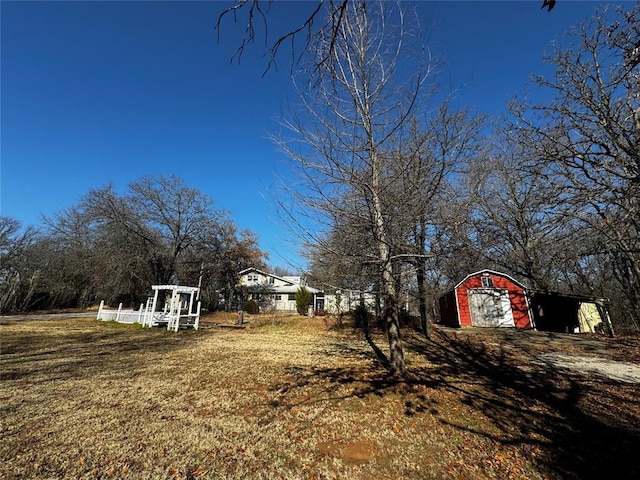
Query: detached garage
x: 486, y: 299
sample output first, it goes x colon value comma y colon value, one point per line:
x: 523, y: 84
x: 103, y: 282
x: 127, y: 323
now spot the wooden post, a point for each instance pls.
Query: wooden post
x: 153, y: 307
x: 100, y: 310
x: 118, y: 314
x: 240, y: 319
x: 174, y: 311
x: 197, y: 322
x: 191, y: 303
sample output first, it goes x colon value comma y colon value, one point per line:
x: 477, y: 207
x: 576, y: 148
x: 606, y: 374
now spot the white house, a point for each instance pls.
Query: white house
x: 349, y: 300
x: 274, y: 293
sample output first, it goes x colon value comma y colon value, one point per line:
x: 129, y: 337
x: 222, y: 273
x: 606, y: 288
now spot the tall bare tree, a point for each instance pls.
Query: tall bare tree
x: 342, y: 137
x: 425, y: 163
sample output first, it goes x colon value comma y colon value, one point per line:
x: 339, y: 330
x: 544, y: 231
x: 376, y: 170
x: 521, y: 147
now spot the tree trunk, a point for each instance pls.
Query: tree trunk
x: 396, y: 351
x: 420, y: 278
x: 392, y: 323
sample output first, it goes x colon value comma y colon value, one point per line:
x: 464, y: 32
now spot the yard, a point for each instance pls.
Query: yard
x: 294, y: 398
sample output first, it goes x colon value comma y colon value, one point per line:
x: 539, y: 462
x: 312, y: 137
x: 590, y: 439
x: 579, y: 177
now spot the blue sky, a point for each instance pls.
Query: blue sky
x: 100, y: 92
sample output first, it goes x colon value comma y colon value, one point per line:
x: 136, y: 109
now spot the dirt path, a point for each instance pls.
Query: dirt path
x: 615, y: 370
x: 615, y: 358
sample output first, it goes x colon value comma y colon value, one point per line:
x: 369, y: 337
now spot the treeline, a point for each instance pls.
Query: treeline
x: 404, y: 199
x: 113, y: 247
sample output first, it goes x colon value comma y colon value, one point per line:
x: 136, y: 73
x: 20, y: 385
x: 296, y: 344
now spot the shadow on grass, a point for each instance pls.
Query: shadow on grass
x: 585, y: 425
x: 85, y: 348
x: 570, y: 426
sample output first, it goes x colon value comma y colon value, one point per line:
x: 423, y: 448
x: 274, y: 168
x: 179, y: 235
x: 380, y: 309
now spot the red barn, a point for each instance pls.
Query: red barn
x: 486, y: 299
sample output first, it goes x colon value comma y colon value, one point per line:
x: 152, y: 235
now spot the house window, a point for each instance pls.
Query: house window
x: 270, y: 280
x: 487, y: 282
x: 292, y: 296
x: 278, y: 297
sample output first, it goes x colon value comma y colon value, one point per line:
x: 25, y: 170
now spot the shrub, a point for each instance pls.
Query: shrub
x: 251, y: 307
x: 303, y: 299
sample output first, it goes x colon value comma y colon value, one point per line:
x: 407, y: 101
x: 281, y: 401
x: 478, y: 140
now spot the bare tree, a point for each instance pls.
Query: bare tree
x: 341, y: 144
x: 589, y: 136
x: 19, y: 277
x: 162, y: 216
x: 282, y: 271
x: 330, y: 13
x: 115, y: 246
x: 324, y: 18
x: 234, y: 252
x: 425, y: 161
x: 518, y: 219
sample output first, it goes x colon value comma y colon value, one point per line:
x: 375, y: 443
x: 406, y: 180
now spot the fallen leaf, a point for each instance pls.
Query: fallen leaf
x: 199, y: 471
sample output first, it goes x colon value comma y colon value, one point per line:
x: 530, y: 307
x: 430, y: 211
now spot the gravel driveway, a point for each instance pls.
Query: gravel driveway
x: 615, y: 358
x: 615, y: 370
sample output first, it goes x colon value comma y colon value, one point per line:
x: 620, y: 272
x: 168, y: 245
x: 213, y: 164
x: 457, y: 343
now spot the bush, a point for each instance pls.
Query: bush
x: 251, y: 307
x: 303, y: 299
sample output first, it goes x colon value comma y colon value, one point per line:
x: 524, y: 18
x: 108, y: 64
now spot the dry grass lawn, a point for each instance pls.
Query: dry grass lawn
x: 294, y: 398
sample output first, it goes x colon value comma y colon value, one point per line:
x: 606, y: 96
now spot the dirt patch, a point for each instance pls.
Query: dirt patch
x: 360, y: 451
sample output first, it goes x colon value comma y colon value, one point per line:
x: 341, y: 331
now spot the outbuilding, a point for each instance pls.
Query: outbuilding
x: 569, y: 313
x: 486, y: 299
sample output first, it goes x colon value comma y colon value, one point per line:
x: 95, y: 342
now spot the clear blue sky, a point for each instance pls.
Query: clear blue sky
x: 99, y: 92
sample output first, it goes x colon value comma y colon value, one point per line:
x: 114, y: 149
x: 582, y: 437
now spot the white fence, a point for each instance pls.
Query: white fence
x: 120, y: 315
x: 147, y: 318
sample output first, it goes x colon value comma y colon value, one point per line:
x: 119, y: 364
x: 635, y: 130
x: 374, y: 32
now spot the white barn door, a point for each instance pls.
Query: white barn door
x: 490, y: 307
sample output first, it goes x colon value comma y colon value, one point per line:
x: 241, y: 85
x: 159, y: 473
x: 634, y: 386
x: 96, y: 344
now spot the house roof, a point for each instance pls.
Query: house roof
x: 292, y: 286
x: 267, y: 288
x: 252, y: 269
x: 486, y: 270
x: 572, y: 296
x: 292, y: 289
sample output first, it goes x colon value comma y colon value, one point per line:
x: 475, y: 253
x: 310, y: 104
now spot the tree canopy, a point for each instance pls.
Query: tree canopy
x: 113, y: 247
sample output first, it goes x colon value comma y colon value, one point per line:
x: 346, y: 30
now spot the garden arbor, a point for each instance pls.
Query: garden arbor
x: 178, y: 310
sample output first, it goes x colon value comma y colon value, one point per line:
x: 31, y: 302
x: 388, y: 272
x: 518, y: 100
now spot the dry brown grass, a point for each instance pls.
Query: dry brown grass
x: 291, y: 397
